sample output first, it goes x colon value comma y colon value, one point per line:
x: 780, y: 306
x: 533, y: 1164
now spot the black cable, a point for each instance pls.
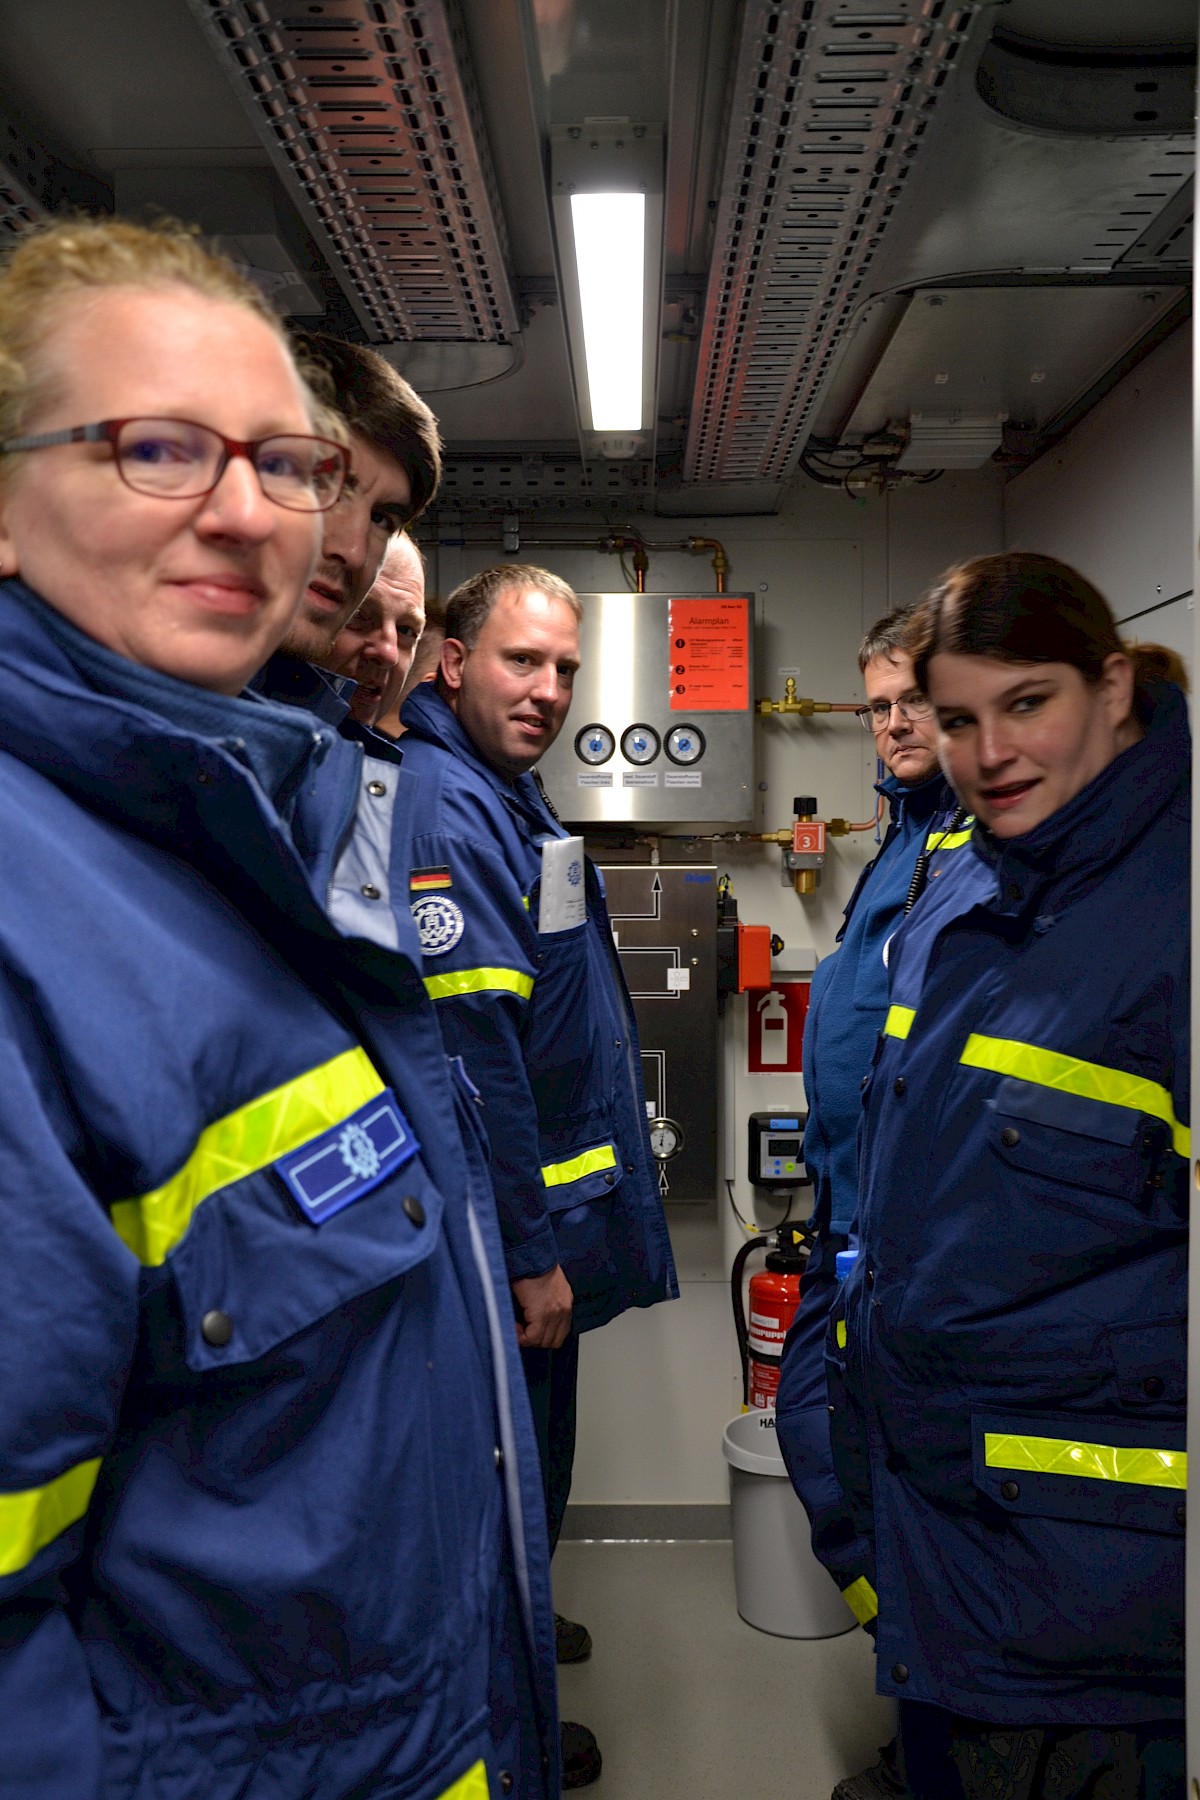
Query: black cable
x: 920, y: 874
x: 739, y: 1305
x: 816, y: 475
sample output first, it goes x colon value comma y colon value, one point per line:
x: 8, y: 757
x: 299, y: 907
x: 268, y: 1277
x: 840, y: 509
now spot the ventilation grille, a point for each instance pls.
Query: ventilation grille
x: 478, y: 484
x: 371, y: 117
x: 842, y: 95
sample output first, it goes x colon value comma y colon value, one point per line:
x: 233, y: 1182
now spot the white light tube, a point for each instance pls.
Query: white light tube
x: 610, y: 257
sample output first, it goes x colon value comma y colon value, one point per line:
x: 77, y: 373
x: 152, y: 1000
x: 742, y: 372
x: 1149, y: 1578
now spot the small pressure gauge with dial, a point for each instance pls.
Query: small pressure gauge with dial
x: 666, y: 1139
x: 595, y: 744
x: 640, y: 744
x: 685, y: 744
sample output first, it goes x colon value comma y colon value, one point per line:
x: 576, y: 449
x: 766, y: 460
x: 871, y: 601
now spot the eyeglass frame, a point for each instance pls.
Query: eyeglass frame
x: 866, y: 714
x: 109, y: 430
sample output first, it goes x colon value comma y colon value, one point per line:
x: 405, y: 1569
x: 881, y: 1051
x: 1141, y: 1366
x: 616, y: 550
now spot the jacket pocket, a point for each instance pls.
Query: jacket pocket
x: 252, y: 1272
x: 1149, y: 1362
x: 579, y: 1186
x: 1088, y: 1545
x: 1067, y: 1138
x: 1089, y: 1468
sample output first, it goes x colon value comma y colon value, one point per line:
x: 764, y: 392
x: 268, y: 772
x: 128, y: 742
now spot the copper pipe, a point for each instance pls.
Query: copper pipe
x: 720, y: 561
x: 840, y: 827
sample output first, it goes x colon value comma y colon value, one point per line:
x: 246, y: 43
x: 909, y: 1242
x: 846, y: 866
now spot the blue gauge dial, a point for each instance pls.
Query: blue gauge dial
x: 640, y: 744
x: 595, y: 744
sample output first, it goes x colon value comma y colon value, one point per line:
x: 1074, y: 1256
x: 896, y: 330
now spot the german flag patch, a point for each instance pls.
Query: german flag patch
x: 422, y: 881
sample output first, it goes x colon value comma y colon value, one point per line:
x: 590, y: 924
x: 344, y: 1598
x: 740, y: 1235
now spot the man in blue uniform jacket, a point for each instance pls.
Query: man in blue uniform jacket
x: 519, y: 957
x: 396, y: 467
x: 846, y: 1013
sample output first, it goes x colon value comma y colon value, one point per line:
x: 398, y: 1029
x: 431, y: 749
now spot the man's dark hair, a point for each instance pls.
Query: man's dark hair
x: 887, y: 636
x: 473, y: 599
x: 379, y: 404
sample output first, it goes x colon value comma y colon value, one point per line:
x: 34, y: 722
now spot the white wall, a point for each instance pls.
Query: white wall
x: 657, y: 1387
x: 1115, y: 498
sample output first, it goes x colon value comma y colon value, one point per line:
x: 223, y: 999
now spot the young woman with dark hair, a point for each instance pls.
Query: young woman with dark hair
x: 1007, y: 1362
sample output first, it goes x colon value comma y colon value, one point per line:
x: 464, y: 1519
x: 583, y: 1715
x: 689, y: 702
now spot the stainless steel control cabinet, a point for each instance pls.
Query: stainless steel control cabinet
x: 664, y: 921
x: 661, y: 725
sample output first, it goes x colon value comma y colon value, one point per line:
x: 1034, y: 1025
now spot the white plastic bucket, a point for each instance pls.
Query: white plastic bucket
x: 780, y: 1585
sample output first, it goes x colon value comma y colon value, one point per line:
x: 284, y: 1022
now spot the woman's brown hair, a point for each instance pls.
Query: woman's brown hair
x: 1024, y: 608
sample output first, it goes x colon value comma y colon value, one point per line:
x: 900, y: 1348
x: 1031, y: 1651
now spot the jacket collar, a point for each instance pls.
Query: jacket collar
x: 290, y: 681
x: 917, y: 799
x: 1095, y: 828
x: 427, y: 716
x: 293, y: 682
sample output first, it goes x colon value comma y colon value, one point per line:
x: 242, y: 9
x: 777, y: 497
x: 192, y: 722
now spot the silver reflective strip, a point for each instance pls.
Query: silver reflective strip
x: 508, y: 1438
x: 366, y: 861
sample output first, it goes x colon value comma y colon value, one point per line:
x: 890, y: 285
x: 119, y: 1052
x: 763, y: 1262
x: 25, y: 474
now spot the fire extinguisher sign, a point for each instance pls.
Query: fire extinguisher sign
x: 775, y: 1028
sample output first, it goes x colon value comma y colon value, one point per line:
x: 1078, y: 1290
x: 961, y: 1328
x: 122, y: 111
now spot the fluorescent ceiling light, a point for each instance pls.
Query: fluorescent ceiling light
x: 610, y: 247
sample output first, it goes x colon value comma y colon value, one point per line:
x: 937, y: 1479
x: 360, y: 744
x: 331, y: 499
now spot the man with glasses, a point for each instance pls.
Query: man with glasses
x: 846, y: 1011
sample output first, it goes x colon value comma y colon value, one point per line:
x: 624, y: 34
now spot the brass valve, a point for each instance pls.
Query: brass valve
x: 793, y: 703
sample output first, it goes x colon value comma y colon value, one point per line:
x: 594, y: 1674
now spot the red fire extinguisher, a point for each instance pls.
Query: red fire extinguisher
x: 774, y: 1297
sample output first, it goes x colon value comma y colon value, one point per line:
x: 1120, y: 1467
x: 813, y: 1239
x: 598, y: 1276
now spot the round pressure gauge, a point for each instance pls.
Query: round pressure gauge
x: 685, y: 744
x: 640, y: 744
x: 666, y: 1139
x: 595, y: 744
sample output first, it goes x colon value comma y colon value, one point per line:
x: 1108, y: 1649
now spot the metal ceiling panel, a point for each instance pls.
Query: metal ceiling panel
x: 830, y: 100
x: 369, y: 112
x: 1022, y: 354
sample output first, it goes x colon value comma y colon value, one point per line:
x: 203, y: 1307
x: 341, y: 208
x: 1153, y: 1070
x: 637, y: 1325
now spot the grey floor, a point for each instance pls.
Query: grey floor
x: 690, y: 1703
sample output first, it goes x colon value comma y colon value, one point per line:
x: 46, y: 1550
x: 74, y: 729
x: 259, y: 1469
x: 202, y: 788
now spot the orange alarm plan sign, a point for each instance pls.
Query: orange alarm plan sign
x: 710, y: 654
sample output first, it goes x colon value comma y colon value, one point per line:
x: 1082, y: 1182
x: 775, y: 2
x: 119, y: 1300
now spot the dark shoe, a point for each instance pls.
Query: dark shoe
x: 883, y: 1781
x: 572, y: 1643
x: 580, y: 1755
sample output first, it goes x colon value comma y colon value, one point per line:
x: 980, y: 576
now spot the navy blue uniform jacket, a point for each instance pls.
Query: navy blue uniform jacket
x: 846, y: 1012
x: 1007, y: 1358
x: 544, y: 1024
x: 255, y: 1534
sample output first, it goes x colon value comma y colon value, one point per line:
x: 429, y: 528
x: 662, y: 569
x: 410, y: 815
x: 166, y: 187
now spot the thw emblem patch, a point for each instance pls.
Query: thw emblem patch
x: 440, y: 923
x: 348, y: 1160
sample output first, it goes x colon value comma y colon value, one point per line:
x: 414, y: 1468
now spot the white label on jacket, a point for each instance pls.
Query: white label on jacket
x: 562, y: 903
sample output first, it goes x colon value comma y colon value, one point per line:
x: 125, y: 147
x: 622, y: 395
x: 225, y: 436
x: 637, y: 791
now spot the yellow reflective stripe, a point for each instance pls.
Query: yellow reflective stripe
x: 559, y: 1174
x: 1069, y: 1075
x: 862, y: 1600
x: 898, y: 1023
x: 478, y: 981
x: 251, y: 1138
x: 471, y: 1786
x: 1099, y: 1462
x: 30, y: 1521
x: 840, y: 1334
x: 952, y: 840
x: 525, y: 901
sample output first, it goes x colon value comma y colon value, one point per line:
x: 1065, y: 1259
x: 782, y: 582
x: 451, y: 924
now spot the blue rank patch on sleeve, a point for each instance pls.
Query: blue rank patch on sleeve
x: 348, y: 1160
